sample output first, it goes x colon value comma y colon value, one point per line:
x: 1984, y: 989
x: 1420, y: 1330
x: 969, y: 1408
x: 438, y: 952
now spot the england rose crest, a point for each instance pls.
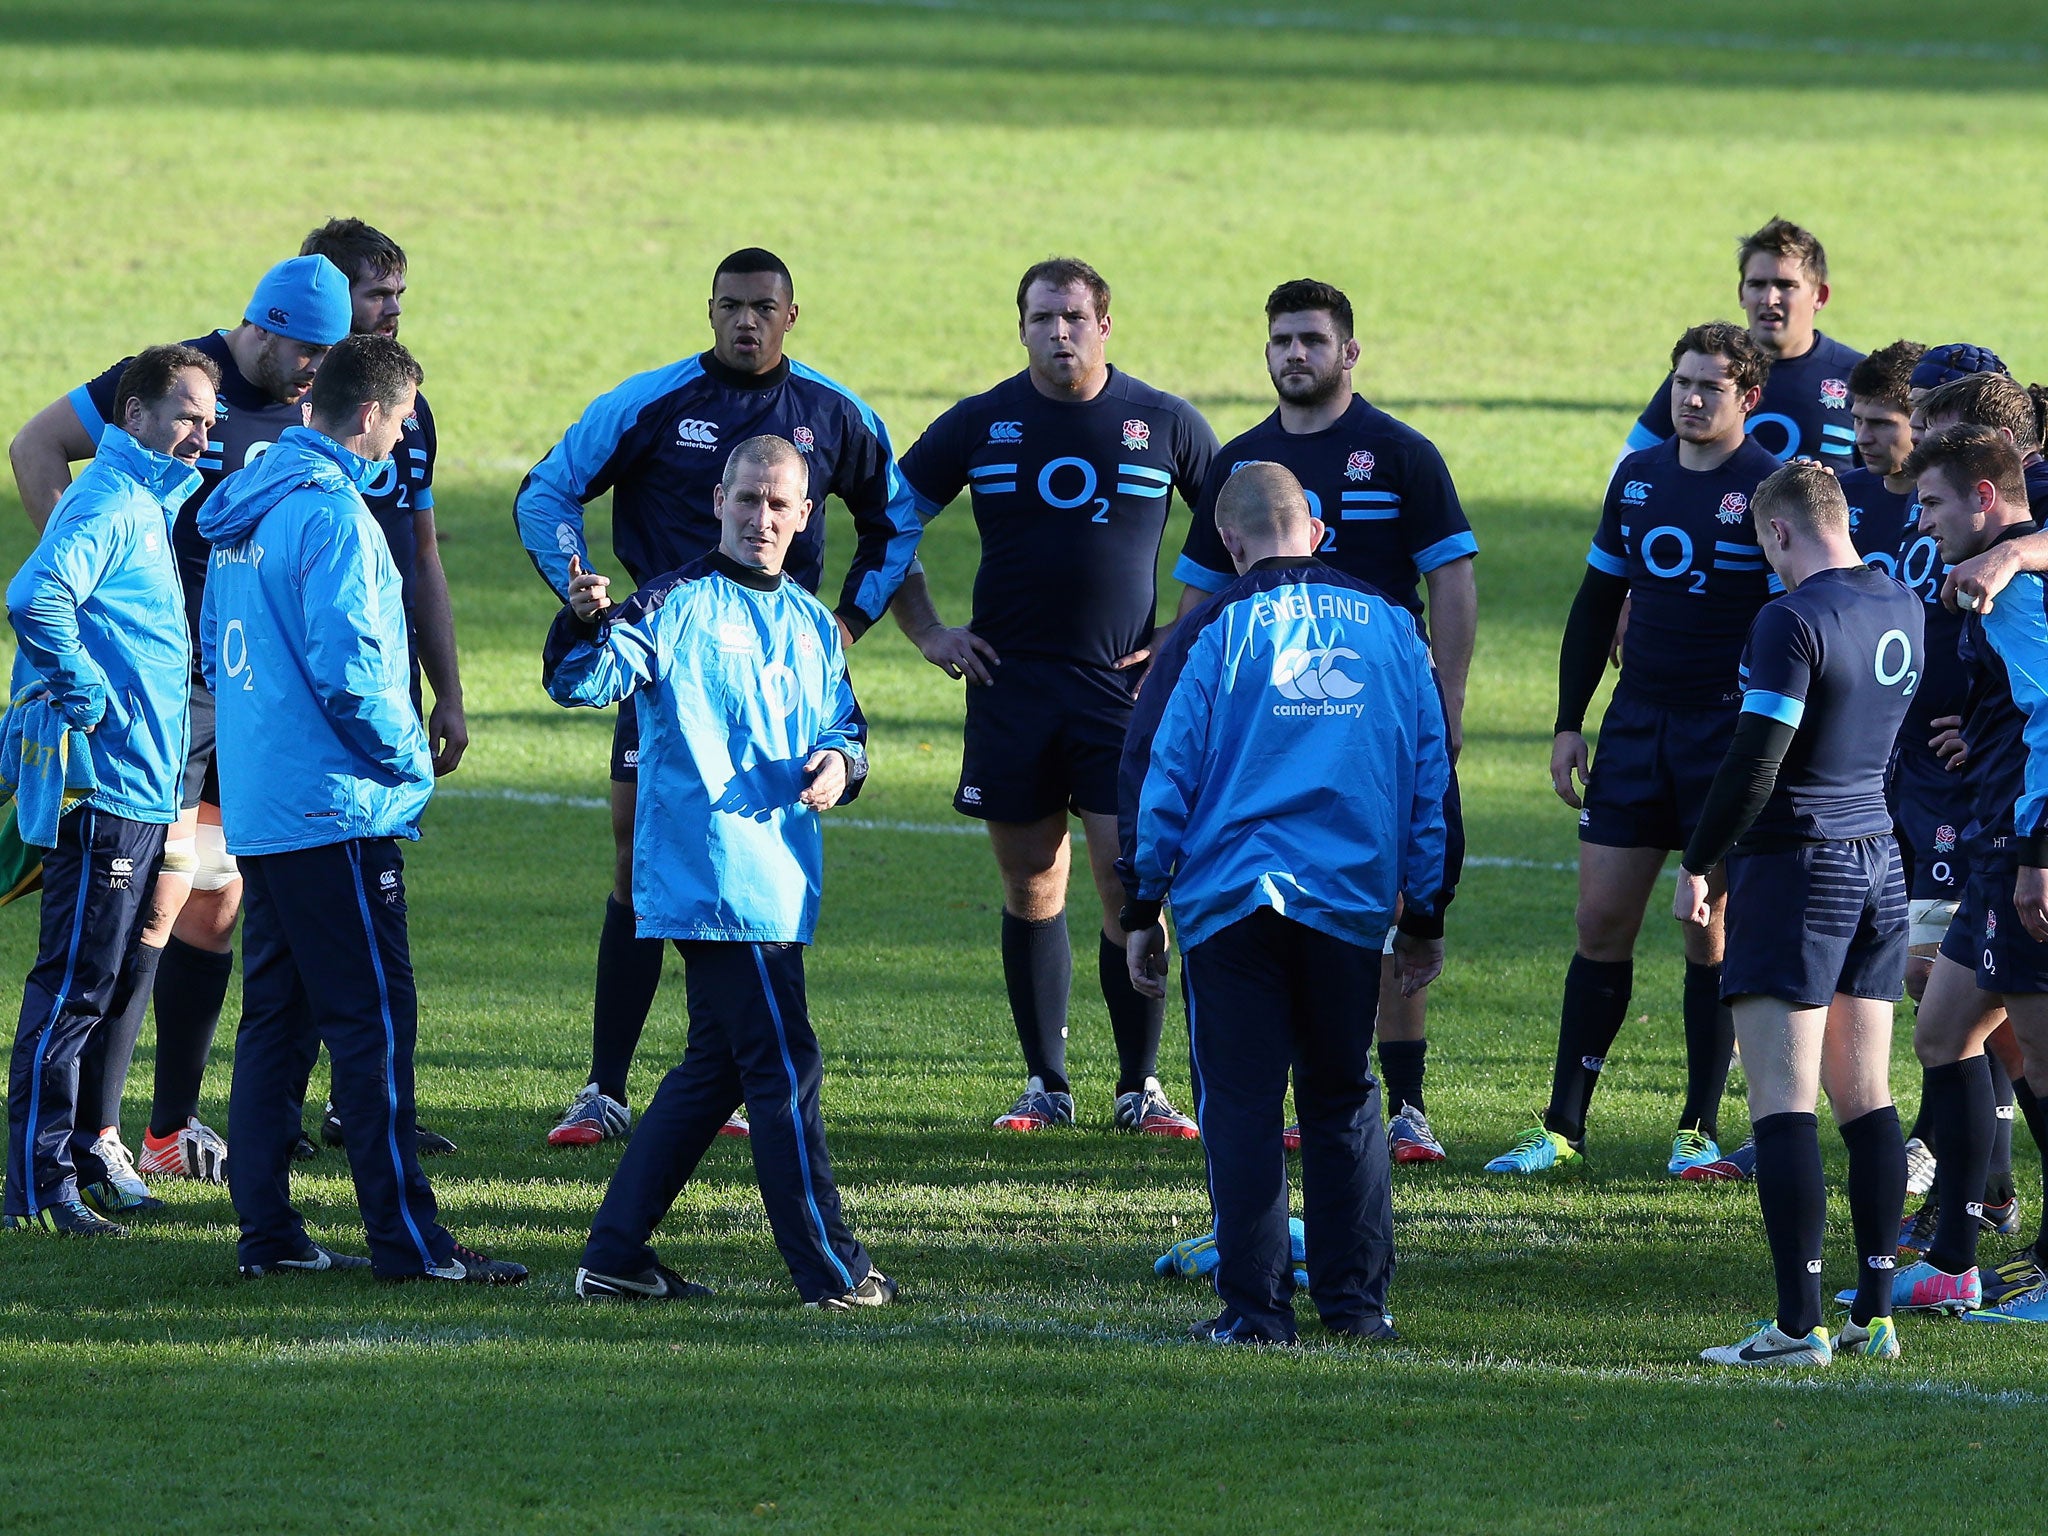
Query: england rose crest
x: 804, y: 439
x: 1834, y: 394
x: 1734, y: 507
x: 1137, y: 435
x: 1358, y: 466
x: 1944, y: 838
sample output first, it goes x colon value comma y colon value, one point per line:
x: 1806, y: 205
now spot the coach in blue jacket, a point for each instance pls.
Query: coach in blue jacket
x: 101, y: 624
x: 748, y: 729
x: 1286, y: 787
x: 323, y: 767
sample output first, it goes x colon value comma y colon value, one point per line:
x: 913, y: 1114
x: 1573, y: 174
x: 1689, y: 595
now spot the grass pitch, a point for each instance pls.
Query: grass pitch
x: 1527, y: 202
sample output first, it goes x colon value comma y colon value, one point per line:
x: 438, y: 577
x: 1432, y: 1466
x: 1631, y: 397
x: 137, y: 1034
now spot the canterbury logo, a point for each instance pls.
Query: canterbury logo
x: 696, y: 434
x: 1881, y: 1261
x: 1304, y: 674
x: 1636, y: 492
x: 1592, y: 1063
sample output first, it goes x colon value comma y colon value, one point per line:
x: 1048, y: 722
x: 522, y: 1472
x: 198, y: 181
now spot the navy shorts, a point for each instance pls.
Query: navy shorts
x: 1987, y: 936
x: 201, y: 782
x: 1045, y: 736
x: 1929, y: 807
x: 1809, y: 922
x: 626, y: 743
x: 1651, y: 772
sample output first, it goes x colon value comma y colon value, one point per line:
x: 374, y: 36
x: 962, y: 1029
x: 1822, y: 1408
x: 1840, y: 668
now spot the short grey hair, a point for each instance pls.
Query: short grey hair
x: 765, y: 452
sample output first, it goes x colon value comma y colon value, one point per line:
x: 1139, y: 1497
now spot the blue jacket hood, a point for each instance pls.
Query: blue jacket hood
x: 300, y: 458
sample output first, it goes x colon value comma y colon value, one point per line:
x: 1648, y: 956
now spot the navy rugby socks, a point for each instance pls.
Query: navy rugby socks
x: 1960, y: 1104
x: 1790, y: 1188
x: 191, y: 985
x: 2036, y: 1111
x: 1998, y: 1186
x: 1596, y: 994
x: 1038, y: 970
x: 1877, y: 1204
x: 1709, y: 1048
x: 1401, y: 1073
x: 628, y: 976
x: 1136, y: 1021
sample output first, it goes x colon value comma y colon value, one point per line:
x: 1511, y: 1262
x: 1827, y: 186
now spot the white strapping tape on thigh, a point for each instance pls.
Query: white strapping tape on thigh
x: 217, y: 868
x: 178, y: 857
x: 1930, y: 919
x: 1388, y: 947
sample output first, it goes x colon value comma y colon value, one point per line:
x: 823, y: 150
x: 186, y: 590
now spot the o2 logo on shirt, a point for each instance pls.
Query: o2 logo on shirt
x: 1734, y: 507
x: 1895, y: 661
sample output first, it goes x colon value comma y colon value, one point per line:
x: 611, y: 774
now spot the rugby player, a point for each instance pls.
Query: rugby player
x: 1676, y: 536
x: 1283, y: 901
x: 1391, y: 517
x: 300, y: 308
x: 1972, y: 495
x: 103, y: 653
x: 1816, y: 905
x: 730, y: 869
x: 302, y: 637
x: 1881, y: 525
x: 1070, y: 465
x: 659, y: 443
x: 1988, y: 398
x: 1783, y: 286
x: 401, y: 499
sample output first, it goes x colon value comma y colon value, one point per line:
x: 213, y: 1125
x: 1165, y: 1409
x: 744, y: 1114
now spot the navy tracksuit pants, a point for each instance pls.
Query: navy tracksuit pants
x: 751, y: 1042
x: 96, y: 887
x: 325, y: 958
x: 1265, y: 996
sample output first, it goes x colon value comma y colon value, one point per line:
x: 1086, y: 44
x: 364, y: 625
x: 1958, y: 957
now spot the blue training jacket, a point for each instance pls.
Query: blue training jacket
x: 2017, y: 627
x: 302, y: 640
x: 1288, y: 751
x: 740, y: 677
x: 101, y: 620
x: 659, y: 442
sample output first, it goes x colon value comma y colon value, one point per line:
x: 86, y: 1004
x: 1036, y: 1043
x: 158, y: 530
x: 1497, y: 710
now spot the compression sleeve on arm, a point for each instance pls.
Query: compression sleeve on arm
x: 1741, y: 788
x: 1588, y: 637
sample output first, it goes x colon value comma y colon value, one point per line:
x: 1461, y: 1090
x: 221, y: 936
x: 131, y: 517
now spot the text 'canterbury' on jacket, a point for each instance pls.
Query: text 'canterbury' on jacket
x: 1289, y: 751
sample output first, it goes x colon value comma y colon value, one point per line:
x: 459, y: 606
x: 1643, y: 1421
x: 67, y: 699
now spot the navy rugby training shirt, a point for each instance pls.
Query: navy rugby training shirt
x: 1070, y: 498
x: 1684, y: 542
x: 1805, y: 408
x: 1380, y: 488
x: 1885, y: 527
x: 1837, y: 659
x: 659, y: 441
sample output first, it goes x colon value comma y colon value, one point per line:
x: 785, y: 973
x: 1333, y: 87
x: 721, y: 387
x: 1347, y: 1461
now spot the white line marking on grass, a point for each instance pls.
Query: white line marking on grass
x: 1460, y: 27
x: 1169, y: 1335
x: 868, y: 824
